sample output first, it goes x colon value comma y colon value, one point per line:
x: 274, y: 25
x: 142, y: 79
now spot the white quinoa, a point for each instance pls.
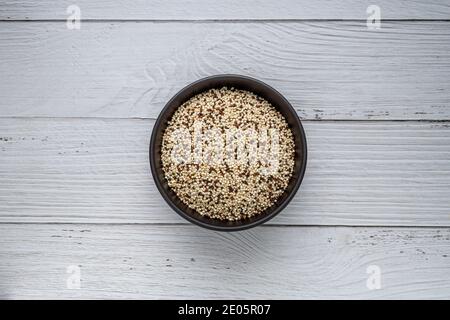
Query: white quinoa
x: 223, y: 191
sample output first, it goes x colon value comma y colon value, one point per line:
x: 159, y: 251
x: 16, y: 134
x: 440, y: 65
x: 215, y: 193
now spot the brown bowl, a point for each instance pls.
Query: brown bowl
x: 240, y: 82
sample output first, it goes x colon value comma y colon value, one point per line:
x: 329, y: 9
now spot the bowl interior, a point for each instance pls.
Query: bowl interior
x: 239, y: 82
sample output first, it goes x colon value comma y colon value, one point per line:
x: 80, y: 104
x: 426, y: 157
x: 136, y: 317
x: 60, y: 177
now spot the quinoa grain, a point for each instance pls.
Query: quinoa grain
x: 228, y: 190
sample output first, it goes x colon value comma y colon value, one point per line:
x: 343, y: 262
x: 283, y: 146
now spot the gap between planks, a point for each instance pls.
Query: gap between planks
x: 155, y: 118
x: 266, y: 225
x: 220, y: 20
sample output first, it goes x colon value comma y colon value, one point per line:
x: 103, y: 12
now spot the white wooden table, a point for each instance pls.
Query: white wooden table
x: 76, y: 112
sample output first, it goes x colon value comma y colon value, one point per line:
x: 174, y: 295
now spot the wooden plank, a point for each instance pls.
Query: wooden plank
x: 328, y: 70
x: 229, y: 9
x: 182, y: 262
x: 97, y: 170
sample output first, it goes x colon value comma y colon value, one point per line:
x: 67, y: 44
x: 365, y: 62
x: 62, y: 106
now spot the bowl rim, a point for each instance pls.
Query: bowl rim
x: 279, y: 207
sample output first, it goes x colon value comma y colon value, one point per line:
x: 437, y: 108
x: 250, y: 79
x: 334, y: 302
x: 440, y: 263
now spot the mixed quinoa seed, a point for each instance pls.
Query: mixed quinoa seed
x: 222, y: 189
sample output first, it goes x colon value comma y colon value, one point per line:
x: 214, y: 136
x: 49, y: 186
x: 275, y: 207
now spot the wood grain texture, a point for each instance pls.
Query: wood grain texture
x: 97, y: 170
x: 328, y: 70
x: 150, y: 262
x: 228, y: 9
x: 76, y: 190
